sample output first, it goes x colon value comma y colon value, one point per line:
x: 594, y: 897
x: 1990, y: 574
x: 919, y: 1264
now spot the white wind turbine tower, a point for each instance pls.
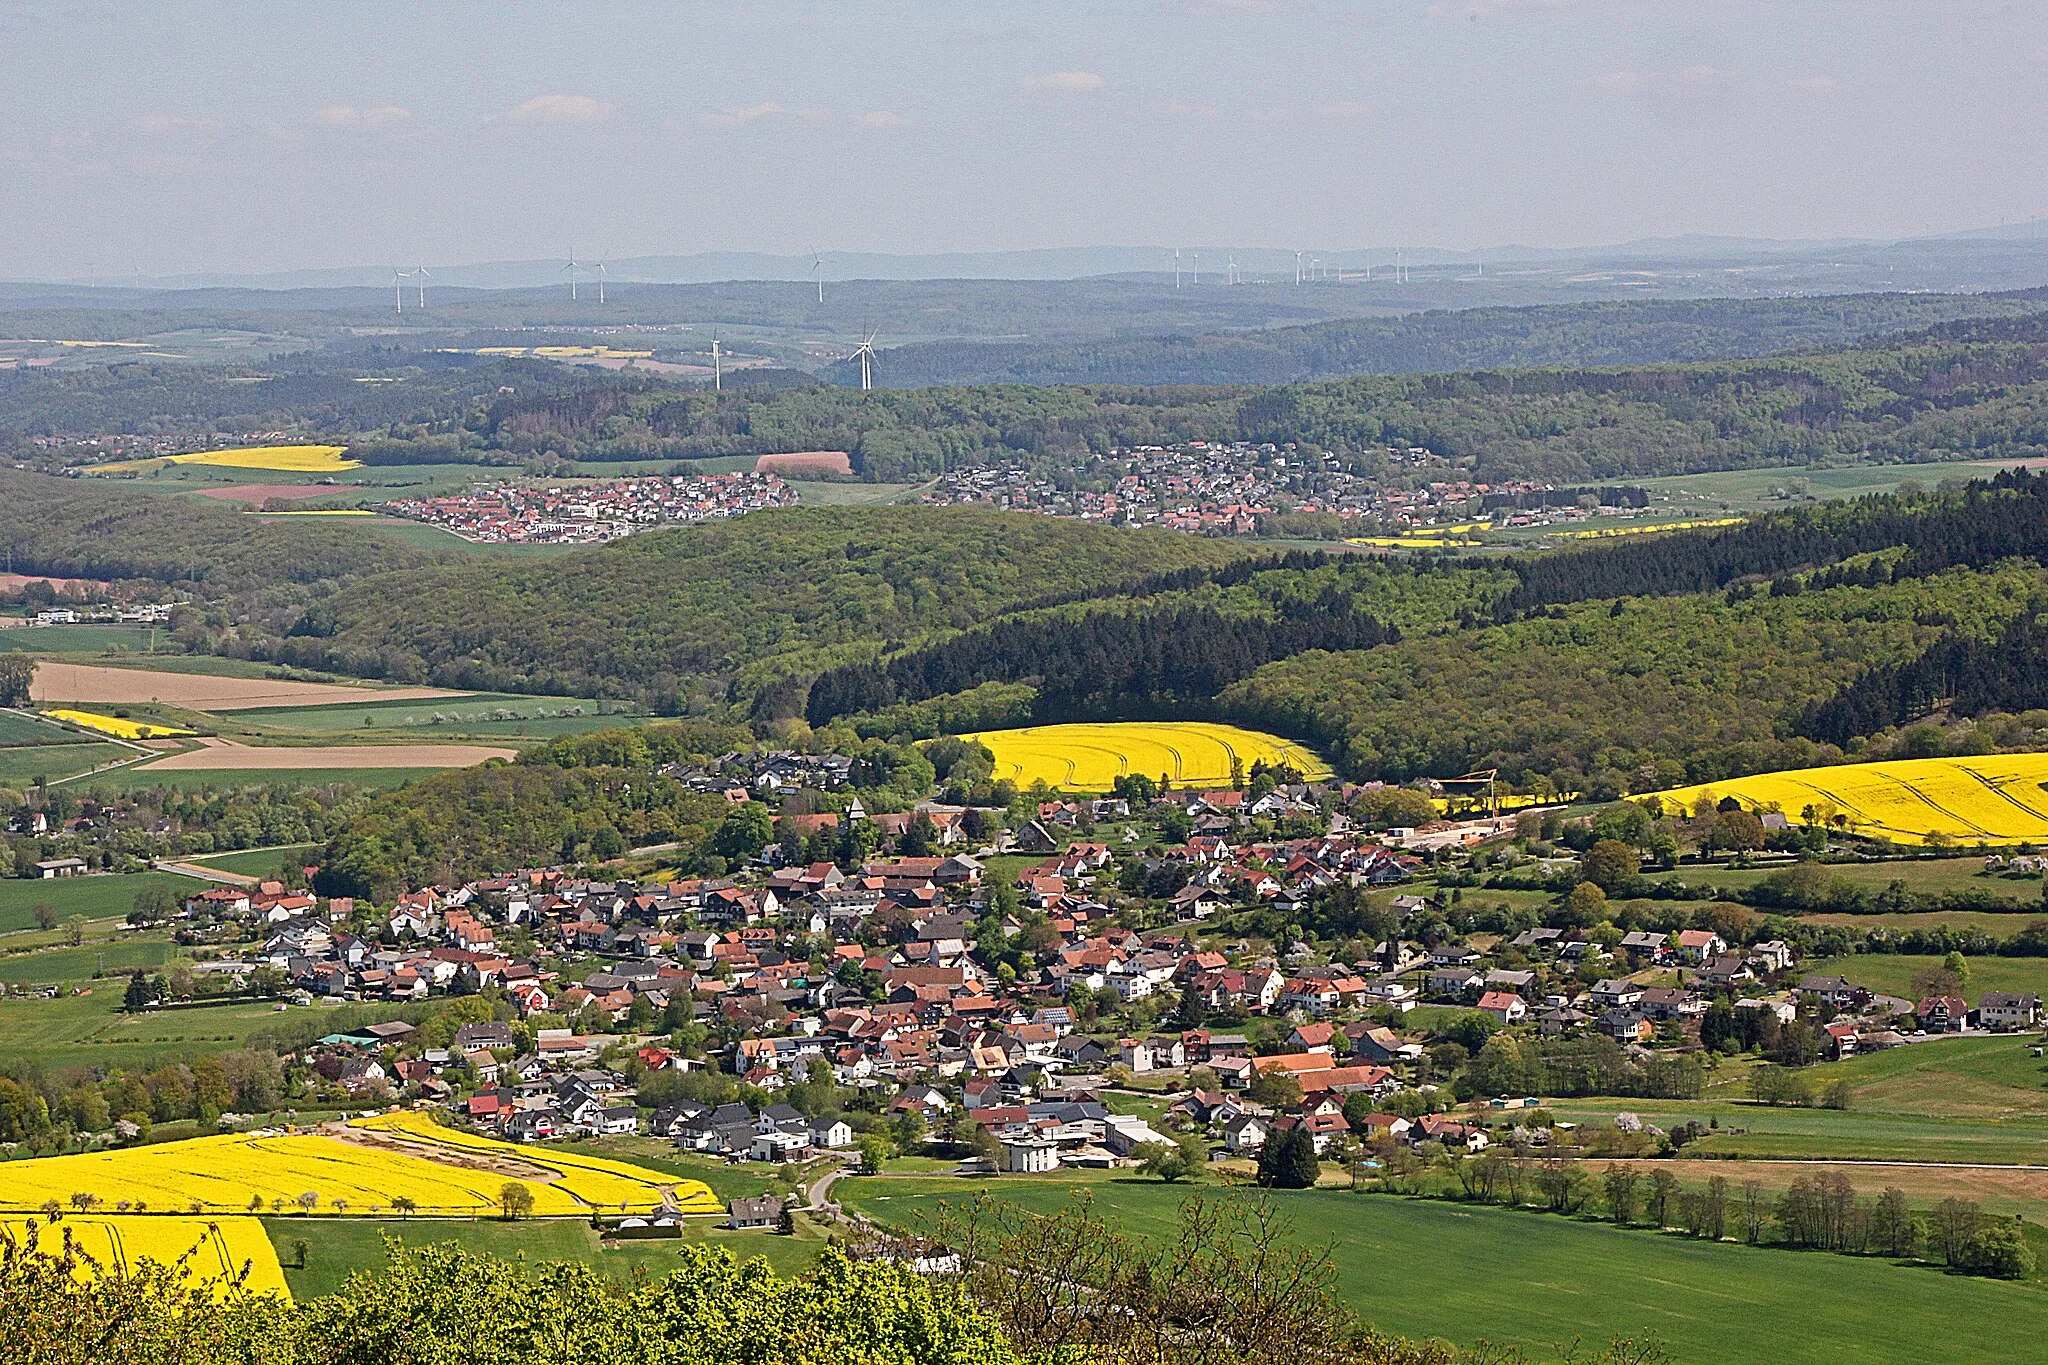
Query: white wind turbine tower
x: 420, y: 274
x: 600, y: 275
x: 1230, y: 270
x: 865, y: 354
x: 572, y: 267
x: 1176, y: 267
x: 398, y: 287
x: 818, y: 264
x: 1196, y: 268
x: 1297, y: 265
x: 717, y: 369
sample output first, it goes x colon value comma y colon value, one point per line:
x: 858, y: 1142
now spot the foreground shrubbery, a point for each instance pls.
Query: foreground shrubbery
x: 1004, y: 1288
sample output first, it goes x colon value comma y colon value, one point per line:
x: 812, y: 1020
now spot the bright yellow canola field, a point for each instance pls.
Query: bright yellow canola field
x: 219, y: 1247
x: 115, y: 725
x: 594, y: 1178
x: 1996, y: 799
x: 1092, y: 757
x: 231, y: 1172
x: 291, y: 459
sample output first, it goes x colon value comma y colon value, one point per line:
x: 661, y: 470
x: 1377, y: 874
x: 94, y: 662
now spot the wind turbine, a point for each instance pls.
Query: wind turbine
x: 1197, y: 268
x: 600, y: 275
x: 1297, y: 265
x: 398, y: 287
x: 865, y: 354
x: 572, y: 267
x: 717, y: 370
x: 817, y: 264
x: 1176, y: 267
x: 420, y: 273
x: 1230, y: 270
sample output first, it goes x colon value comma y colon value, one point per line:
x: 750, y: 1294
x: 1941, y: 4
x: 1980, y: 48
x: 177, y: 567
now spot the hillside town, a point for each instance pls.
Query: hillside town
x: 593, y: 513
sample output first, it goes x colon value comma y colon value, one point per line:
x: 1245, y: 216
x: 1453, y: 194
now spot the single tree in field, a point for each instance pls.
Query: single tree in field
x: 302, y: 1249
x: 308, y: 1201
x: 404, y: 1205
x: 84, y: 1202
x: 46, y: 915
x: 515, y: 1199
x: 1620, y: 1183
x: 1288, y: 1161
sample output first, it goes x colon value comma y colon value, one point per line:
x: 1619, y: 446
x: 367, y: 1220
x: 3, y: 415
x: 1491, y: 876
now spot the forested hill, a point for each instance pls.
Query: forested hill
x: 74, y: 528
x: 1964, y: 390
x: 1578, y: 334
x: 680, y: 614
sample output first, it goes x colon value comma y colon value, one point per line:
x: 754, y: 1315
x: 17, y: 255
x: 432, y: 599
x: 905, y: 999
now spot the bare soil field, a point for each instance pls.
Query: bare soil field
x: 202, y: 692
x: 259, y: 492
x: 831, y: 461
x: 2006, y: 1188
x: 223, y: 755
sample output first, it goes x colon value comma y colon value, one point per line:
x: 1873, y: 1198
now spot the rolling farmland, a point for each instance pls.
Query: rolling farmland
x: 1092, y: 757
x: 1994, y: 799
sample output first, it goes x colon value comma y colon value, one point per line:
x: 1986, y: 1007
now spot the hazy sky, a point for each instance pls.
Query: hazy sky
x: 171, y: 137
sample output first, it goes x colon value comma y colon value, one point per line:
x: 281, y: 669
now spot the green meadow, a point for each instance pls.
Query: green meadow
x: 1427, y: 1268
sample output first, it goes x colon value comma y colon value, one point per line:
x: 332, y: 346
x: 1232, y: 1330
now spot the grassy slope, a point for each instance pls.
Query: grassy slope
x: 91, y: 1030
x: 21, y: 767
x: 1892, y: 973
x: 1422, y: 1268
x: 107, y: 897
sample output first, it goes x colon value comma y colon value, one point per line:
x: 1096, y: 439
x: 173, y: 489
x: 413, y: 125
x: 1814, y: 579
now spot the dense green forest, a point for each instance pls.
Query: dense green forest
x: 670, y: 614
x: 476, y: 822
x: 1605, y: 333
x: 1639, y: 693
x: 1970, y: 389
x: 90, y: 529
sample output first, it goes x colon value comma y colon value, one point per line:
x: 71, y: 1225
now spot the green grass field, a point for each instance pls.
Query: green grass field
x: 99, y: 897
x: 254, y: 862
x: 1421, y: 1268
x: 1928, y: 876
x: 1997, y: 924
x: 20, y: 767
x: 85, y: 962
x: 79, y: 639
x: 91, y: 1030
x: 1746, y: 489
x: 1892, y: 973
x: 341, y: 1246
x: 18, y: 730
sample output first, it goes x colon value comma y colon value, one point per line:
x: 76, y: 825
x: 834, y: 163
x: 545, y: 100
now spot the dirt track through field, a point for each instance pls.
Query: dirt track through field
x: 225, y: 755
x: 203, y: 692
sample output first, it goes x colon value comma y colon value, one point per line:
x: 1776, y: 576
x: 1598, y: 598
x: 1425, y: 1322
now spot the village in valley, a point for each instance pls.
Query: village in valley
x: 1162, y: 979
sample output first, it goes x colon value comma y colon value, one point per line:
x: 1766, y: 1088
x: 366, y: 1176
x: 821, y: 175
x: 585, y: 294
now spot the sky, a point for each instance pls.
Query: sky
x: 160, y: 137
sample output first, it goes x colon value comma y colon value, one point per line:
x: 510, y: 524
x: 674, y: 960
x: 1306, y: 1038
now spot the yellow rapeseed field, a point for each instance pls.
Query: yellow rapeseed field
x: 117, y: 725
x: 291, y: 459
x: 596, y: 1180
x: 1994, y: 799
x: 1092, y: 757
x: 1606, y: 532
x: 270, y: 1172
x: 220, y: 1248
